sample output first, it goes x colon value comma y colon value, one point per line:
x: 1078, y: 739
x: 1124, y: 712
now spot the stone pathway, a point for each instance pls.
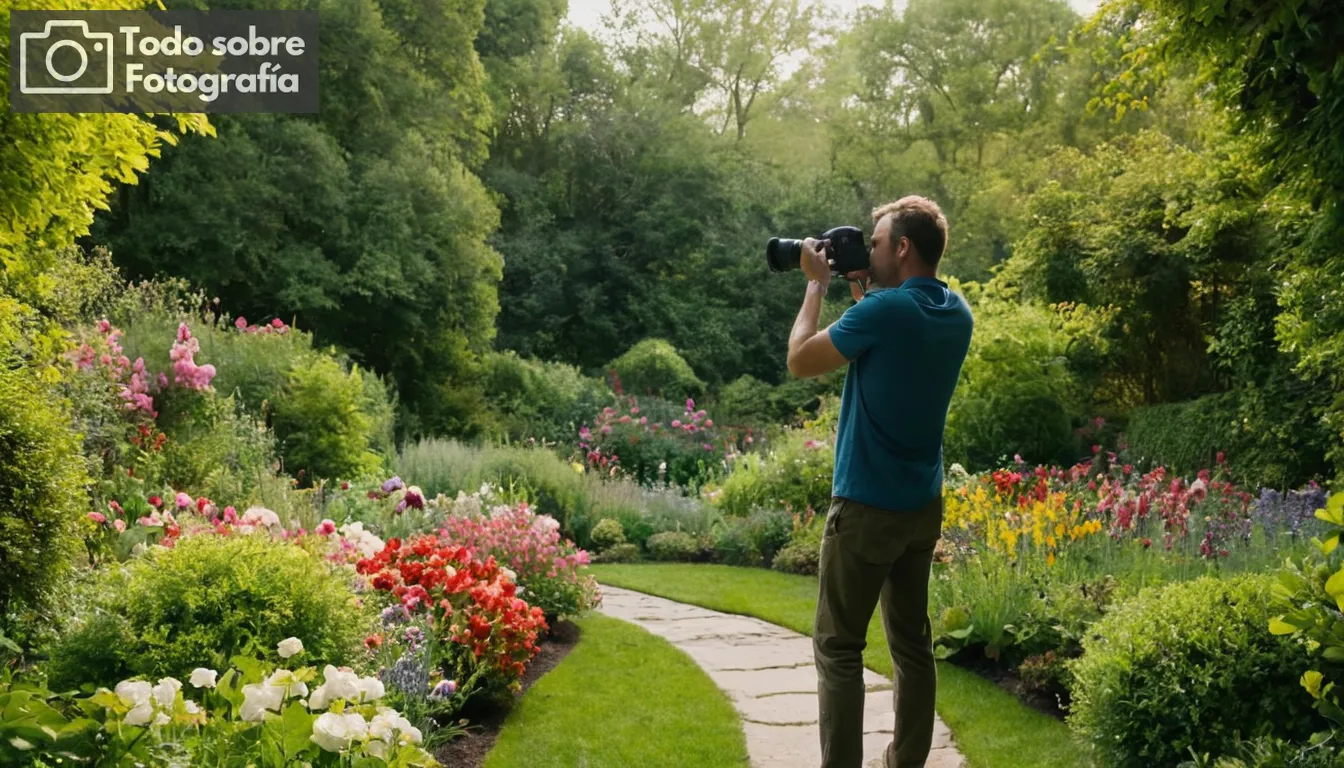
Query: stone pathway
x: 767, y: 672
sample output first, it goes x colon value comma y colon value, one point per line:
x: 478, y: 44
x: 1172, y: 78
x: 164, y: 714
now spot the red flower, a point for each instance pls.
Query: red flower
x: 155, y: 501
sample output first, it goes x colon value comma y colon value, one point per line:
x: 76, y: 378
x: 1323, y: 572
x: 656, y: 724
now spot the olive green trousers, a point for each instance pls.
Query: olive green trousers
x: 872, y: 557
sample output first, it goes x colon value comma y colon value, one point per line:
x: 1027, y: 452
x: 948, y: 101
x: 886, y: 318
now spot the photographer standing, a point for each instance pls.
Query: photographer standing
x: 905, y: 341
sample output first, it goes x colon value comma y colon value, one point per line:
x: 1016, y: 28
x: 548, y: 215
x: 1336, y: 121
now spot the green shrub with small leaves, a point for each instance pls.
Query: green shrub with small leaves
x: 673, y: 546
x: 653, y: 367
x: 42, y: 496
x: 1188, y: 666
x: 607, y: 534
x: 203, y: 601
x: 621, y: 553
x: 320, y: 423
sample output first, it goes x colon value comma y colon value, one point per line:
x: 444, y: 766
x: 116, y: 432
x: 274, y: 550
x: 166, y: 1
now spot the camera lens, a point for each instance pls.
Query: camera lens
x: 782, y: 254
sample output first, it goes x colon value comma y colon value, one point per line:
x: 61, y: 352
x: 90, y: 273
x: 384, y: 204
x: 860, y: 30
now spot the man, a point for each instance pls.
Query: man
x: 905, y: 340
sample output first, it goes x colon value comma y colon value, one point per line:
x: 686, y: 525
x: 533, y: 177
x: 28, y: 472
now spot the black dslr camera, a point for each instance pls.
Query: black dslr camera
x: 845, y: 250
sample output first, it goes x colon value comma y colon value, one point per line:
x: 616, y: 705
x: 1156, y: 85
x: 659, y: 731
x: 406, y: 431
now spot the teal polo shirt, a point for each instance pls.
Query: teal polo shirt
x: 905, y: 347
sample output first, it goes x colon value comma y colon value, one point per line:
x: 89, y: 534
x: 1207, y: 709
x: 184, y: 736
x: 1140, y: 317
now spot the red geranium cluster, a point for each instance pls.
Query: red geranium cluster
x: 474, y: 602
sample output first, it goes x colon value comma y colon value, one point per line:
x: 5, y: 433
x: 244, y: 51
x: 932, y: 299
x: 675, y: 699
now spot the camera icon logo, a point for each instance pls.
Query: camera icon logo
x: 65, y: 58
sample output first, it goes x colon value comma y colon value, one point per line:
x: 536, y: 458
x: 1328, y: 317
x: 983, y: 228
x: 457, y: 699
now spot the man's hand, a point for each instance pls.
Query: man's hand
x: 859, y: 282
x: 814, y: 262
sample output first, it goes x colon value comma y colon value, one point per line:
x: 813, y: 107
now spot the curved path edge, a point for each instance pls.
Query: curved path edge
x: 768, y: 673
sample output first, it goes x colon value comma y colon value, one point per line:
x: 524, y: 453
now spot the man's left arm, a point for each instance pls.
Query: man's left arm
x: 811, y: 353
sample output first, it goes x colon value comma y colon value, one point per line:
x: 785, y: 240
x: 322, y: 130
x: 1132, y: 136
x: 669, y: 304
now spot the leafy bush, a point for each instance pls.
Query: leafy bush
x: 1269, y: 434
x: 1188, y: 665
x: 538, y: 476
x: 795, y: 475
x: 653, y: 367
x: 42, y: 493
x: 202, y: 602
x: 753, y: 539
x: 621, y: 553
x: 213, y: 447
x: 673, y: 545
x: 607, y: 534
x: 318, y: 420
x: 542, y: 400
x: 1016, y: 392
x: 748, y: 401
x: 802, y: 553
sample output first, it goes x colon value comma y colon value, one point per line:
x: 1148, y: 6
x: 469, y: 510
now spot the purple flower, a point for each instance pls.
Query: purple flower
x: 393, y: 484
x: 443, y: 690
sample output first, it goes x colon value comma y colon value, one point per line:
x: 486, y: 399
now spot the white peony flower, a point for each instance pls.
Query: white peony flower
x: 133, y: 692
x: 290, y: 646
x: 166, y: 692
x: 338, y: 685
x: 371, y: 688
x: 334, y: 732
x: 141, y: 713
x: 203, y: 678
x: 259, y: 697
x: 260, y: 516
x: 283, y: 678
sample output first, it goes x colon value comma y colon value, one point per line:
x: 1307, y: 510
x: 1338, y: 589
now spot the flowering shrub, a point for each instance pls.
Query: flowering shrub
x: 489, y: 632
x: 795, y: 474
x: 653, y: 445
x: 546, y: 567
x: 252, y: 714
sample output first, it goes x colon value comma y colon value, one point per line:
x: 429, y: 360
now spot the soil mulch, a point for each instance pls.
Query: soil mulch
x: 1010, y: 681
x: 470, y: 750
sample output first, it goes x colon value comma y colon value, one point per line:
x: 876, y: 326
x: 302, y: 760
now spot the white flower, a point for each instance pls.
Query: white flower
x: 162, y: 719
x: 509, y: 574
x: 338, y: 685
x: 140, y: 714
x: 283, y: 678
x: 260, y: 516
x: 334, y: 732
x: 203, y: 678
x: 371, y: 688
x: 257, y: 698
x: 290, y: 646
x: 1198, y: 486
x: 411, y: 734
x: 166, y: 692
x: 133, y: 692
x: 191, y: 707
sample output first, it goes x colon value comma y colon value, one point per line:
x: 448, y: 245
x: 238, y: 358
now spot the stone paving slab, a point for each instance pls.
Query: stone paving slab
x: 767, y: 672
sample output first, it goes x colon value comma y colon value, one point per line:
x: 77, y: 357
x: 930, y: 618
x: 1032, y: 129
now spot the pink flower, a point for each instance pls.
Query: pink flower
x: 625, y: 419
x: 676, y: 423
x: 104, y: 326
x: 97, y: 517
x: 708, y: 447
x: 240, y: 323
x: 277, y: 323
x: 690, y: 404
x: 183, y: 500
x: 1221, y: 457
x: 326, y: 528
x: 643, y: 419
x: 606, y: 429
x: 634, y: 409
x: 120, y: 525
x: 114, y: 507
x: 709, y: 422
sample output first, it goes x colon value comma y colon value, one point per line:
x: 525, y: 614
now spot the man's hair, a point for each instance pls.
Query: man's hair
x: 921, y: 221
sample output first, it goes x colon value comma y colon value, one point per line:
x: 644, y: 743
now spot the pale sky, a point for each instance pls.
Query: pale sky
x: 587, y: 14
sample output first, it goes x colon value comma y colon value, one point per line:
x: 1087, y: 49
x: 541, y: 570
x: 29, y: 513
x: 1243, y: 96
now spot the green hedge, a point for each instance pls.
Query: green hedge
x: 1270, y: 434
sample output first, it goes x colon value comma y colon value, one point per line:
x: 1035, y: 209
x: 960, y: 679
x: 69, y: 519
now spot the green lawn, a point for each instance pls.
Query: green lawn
x: 622, y: 698
x: 992, y: 728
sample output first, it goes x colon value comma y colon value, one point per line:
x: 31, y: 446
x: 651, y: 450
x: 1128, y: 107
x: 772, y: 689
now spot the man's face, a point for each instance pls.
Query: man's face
x: 882, y: 258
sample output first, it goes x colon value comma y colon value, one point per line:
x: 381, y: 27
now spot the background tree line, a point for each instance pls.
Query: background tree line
x: 1144, y: 205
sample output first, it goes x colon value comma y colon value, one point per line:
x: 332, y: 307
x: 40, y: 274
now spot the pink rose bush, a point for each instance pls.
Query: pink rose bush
x: 677, y: 447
